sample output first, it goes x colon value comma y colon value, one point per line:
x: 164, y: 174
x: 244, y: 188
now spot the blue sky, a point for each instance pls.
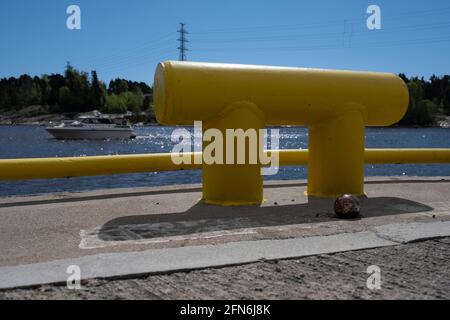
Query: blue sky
x: 127, y: 38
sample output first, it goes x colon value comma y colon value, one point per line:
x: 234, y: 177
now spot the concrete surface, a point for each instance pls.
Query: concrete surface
x: 53, y: 227
x: 207, y: 256
x: 417, y: 270
x: 42, y: 229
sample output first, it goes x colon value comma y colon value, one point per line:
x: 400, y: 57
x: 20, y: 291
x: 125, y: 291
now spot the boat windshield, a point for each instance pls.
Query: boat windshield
x: 97, y: 121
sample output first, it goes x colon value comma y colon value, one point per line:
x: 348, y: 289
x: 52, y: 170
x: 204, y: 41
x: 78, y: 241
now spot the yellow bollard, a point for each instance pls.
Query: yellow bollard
x: 336, y: 105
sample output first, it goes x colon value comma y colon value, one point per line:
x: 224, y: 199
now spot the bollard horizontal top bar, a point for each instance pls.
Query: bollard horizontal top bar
x: 188, y: 91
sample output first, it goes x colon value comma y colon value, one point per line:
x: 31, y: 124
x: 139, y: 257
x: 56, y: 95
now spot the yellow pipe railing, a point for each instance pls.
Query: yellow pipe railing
x: 404, y: 156
x: 49, y: 168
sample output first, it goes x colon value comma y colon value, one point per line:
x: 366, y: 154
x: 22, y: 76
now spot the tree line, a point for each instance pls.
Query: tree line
x: 75, y: 92
x: 429, y: 100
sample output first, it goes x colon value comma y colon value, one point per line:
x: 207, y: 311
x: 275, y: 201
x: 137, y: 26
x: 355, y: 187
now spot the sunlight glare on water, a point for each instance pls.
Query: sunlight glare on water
x: 35, y: 142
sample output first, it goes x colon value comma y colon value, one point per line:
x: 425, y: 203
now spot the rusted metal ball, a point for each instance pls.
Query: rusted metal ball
x: 347, y: 206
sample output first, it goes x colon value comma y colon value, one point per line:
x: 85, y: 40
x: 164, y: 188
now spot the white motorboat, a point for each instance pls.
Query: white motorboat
x: 93, y: 127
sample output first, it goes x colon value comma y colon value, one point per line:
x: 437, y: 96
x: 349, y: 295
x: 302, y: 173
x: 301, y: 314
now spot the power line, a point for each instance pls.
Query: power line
x: 320, y: 35
x: 323, y: 24
x: 156, y: 55
x: 132, y: 51
x: 336, y: 46
x: 347, y: 37
x: 136, y: 57
x: 182, y: 39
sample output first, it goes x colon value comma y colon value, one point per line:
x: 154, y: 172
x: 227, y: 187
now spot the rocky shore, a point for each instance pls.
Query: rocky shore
x: 36, y: 115
x: 444, y: 123
x: 33, y: 115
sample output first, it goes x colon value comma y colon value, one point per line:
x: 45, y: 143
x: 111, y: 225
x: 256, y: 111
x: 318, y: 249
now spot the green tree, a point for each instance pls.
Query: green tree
x: 118, y: 86
x: 79, y: 88
x: 420, y: 111
x: 114, y: 104
x: 65, y: 97
x: 97, y: 96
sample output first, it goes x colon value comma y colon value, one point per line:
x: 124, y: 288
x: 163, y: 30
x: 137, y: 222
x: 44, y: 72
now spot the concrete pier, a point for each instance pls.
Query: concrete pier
x: 124, y: 232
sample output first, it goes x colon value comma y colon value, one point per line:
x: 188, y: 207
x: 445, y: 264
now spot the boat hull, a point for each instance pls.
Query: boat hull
x: 91, y: 134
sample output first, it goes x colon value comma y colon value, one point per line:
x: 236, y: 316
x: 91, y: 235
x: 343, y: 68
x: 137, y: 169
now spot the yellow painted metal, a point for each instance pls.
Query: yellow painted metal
x: 292, y: 157
x: 233, y: 184
x: 49, y: 168
x: 404, y: 156
x: 335, y: 105
x: 185, y: 92
x: 336, y: 156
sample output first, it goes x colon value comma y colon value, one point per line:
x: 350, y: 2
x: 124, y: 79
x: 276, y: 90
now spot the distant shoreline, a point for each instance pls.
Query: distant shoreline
x: 58, y: 118
x: 32, y: 117
x: 40, y: 119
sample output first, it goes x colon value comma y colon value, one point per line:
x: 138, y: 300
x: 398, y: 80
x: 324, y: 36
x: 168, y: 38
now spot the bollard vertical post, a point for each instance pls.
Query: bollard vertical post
x: 233, y: 183
x: 336, y: 155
